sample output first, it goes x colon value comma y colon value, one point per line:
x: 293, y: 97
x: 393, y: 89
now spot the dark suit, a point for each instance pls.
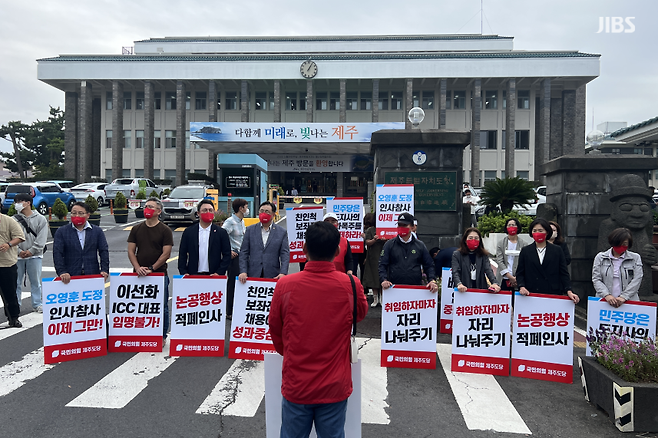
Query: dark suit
x: 70, y: 258
x: 549, y: 277
x: 461, y: 270
x: 219, y: 251
x: 264, y: 261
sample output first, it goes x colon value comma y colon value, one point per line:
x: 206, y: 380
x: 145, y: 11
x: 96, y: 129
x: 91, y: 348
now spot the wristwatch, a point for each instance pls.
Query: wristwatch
x: 151, y: 268
x: 10, y: 245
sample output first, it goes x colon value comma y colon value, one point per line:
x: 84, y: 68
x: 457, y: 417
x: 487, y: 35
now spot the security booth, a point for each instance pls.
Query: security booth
x: 241, y: 176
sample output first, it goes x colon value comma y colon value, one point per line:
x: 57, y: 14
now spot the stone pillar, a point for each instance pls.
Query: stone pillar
x: 277, y: 101
x: 442, y: 103
x: 309, y: 101
x: 212, y: 101
x: 96, y: 106
x: 212, y: 164
x: 342, y: 111
x: 557, y: 121
x: 580, y: 122
x: 573, y: 127
x: 375, y: 101
x: 117, y: 129
x: 340, y: 184
x: 71, y: 135
x: 244, y: 101
x: 510, y: 126
x: 408, y: 103
x: 543, y: 138
x: 475, y: 133
x: 149, y: 129
x: 85, y: 127
x: 181, y: 177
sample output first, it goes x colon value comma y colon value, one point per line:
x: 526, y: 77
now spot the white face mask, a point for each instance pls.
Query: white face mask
x: 19, y: 207
x: 246, y: 211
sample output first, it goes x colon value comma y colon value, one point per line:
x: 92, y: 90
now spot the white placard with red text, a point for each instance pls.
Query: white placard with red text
x: 542, y: 347
x: 298, y: 220
x: 481, y: 332
x: 633, y: 319
x: 250, y: 326
x: 136, y: 312
x: 198, y: 309
x: 408, y: 327
x: 447, y: 301
x: 392, y: 199
x: 74, y: 318
x: 350, y: 220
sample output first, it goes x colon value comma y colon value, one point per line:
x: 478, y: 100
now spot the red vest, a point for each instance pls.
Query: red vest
x: 339, y: 261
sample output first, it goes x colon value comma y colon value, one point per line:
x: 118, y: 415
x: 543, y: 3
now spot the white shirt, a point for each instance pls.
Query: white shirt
x: 265, y: 233
x: 204, y: 238
x: 510, y: 258
x: 541, y: 252
x: 81, y: 234
x: 616, y: 277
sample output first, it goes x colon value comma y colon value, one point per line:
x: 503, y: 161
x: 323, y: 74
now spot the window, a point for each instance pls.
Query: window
x: 170, y: 100
x: 291, y: 101
x: 200, y: 102
x: 502, y: 146
x: 139, y: 100
x: 157, y: 100
x: 352, y: 101
x: 615, y: 151
x: 459, y: 100
x: 428, y: 100
x: 489, y: 175
x: 638, y: 151
x: 200, y: 171
x: 491, y: 99
x: 125, y: 173
x: 334, y: 101
x: 366, y: 100
x: 261, y: 100
x: 170, y: 139
x: 139, y: 139
x: 108, y: 139
x: 383, y: 100
x: 648, y: 151
x: 488, y: 139
x: 139, y: 173
x: 231, y: 100
x: 321, y: 101
x: 170, y: 173
x: 127, y: 139
x: 302, y: 101
x: 108, y: 100
x: 523, y: 174
x: 108, y: 175
x: 188, y: 100
x: 448, y: 99
x: 127, y: 100
x: 156, y: 173
x: 156, y: 139
x: 522, y: 139
x: 504, y: 99
x: 523, y: 98
x: 396, y: 100
x: 502, y: 174
x: 415, y: 98
x: 219, y: 100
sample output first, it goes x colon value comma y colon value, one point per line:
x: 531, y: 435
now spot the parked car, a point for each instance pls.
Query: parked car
x: 180, y: 205
x: 130, y: 187
x: 96, y: 190
x: 64, y: 185
x: 43, y: 195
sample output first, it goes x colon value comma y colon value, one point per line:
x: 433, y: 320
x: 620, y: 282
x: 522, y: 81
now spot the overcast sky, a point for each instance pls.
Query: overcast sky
x: 627, y: 89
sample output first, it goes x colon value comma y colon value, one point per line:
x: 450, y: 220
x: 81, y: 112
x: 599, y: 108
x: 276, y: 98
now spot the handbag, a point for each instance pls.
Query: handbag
x: 354, y: 347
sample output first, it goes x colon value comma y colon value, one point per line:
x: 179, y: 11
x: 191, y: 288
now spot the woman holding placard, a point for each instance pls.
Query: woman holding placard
x: 471, y: 268
x: 542, y: 266
x: 617, y: 272
x: 507, y: 254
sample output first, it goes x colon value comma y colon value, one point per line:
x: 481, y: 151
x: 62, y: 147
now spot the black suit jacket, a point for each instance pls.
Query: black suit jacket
x: 550, y: 277
x: 219, y: 251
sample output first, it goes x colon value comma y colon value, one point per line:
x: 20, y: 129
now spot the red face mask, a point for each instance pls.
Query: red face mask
x: 264, y: 217
x: 512, y: 231
x: 473, y: 244
x: 78, y: 220
x: 149, y: 213
x: 620, y: 249
x: 539, y: 237
x: 404, y: 231
x: 208, y: 217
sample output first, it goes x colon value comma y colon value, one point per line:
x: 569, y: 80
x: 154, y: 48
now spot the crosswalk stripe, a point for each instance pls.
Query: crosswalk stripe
x: 16, y: 374
x: 239, y: 392
x: 30, y: 320
x: 483, y: 403
x: 117, y: 389
x: 374, y: 383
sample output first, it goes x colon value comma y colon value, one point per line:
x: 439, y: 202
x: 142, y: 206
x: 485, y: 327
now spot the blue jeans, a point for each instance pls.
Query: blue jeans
x: 165, y: 325
x: 329, y: 419
x: 31, y: 267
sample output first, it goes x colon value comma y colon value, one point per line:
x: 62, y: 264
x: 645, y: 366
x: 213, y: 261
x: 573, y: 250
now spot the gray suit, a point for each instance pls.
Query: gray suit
x: 501, y: 258
x: 267, y: 261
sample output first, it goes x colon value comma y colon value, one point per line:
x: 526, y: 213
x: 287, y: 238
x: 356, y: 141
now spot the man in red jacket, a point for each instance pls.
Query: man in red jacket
x: 314, y: 338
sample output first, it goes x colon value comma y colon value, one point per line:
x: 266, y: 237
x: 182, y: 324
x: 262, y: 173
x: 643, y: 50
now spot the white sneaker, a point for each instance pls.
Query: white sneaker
x: 375, y: 300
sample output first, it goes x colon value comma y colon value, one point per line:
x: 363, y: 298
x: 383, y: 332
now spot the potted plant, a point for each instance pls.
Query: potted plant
x: 622, y: 379
x: 141, y: 195
x: 12, y: 210
x: 60, y: 211
x: 166, y: 192
x: 94, y: 217
x: 154, y: 194
x: 120, y: 210
x: 220, y: 217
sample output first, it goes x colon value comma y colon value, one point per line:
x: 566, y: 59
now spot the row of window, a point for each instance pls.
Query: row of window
x: 296, y: 101
x: 491, y: 175
x: 139, y: 173
x: 170, y: 139
x: 489, y: 139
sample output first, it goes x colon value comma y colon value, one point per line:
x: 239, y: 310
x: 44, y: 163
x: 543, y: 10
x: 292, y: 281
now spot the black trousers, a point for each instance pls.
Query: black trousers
x: 233, y: 271
x: 8, y: 280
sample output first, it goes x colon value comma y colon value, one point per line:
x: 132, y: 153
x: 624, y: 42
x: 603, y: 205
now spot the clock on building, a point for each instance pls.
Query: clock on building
x: 308, y: 69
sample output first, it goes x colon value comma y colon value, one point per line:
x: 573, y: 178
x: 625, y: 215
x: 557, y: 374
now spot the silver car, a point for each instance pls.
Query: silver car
x: 130, y: 187
x: 180, y: 205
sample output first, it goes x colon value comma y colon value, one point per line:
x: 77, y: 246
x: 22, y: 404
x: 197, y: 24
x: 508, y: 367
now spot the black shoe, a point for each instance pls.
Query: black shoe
x: 14, y: 322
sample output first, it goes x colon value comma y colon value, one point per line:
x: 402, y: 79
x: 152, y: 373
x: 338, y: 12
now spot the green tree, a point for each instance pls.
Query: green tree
x: 19, y: 160
x: 507, y: 192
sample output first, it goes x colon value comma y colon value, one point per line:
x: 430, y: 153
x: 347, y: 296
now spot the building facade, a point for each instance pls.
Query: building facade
x: 129, y: 115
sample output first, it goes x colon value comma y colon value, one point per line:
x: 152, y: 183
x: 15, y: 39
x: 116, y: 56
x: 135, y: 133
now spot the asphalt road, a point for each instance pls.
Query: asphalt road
x: 397, y: 402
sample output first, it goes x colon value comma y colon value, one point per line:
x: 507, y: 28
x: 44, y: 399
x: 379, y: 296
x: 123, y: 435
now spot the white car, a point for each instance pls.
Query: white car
x: 96, y: 190
x: 130, y: 187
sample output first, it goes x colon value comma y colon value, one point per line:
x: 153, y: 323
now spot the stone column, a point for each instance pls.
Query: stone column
x: 277, y: 101
x: 212, y: 164
x: 212, y: 101
x: 510, y: 126
x: 85, y: 127
x: 375, y: 101
x: 340, y: 184
x: 309, y: 101
x: 580, y: 122
x: 181, y: 177
x: 557, y: 121
x: 475, y: 133
x: 117, y: 129
x: 442, y: 103
x: 573, y: 126
x: 71, y: 135
x: 149, y: 129
x: 96, y: 137
x: 408, y: 103
x: 342, y: 111
x: 543, y: 138
x: 244, y: 101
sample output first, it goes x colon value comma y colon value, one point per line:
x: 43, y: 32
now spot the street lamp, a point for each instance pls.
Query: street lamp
x: 416, y: 116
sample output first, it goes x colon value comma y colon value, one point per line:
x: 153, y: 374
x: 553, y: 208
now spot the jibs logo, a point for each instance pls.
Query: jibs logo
x: 616, y: 25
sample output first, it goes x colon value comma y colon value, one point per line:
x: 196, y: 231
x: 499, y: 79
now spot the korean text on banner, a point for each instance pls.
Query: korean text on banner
x: 197, y: 319
x: 392, y: 199
x: 634, y: 319
x: 136, y: 312
x: 481, y: 332
x: 408, y: 327
x: 74, y: 319
x: 250, y: 327
x: 298, y: 220
x: 350, y: 220
x: 542, y: 347
x: 447, y: 301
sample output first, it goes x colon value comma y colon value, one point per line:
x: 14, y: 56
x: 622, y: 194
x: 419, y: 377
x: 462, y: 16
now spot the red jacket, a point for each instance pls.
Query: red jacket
x: 311, y: 324
x: 339, y: 261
